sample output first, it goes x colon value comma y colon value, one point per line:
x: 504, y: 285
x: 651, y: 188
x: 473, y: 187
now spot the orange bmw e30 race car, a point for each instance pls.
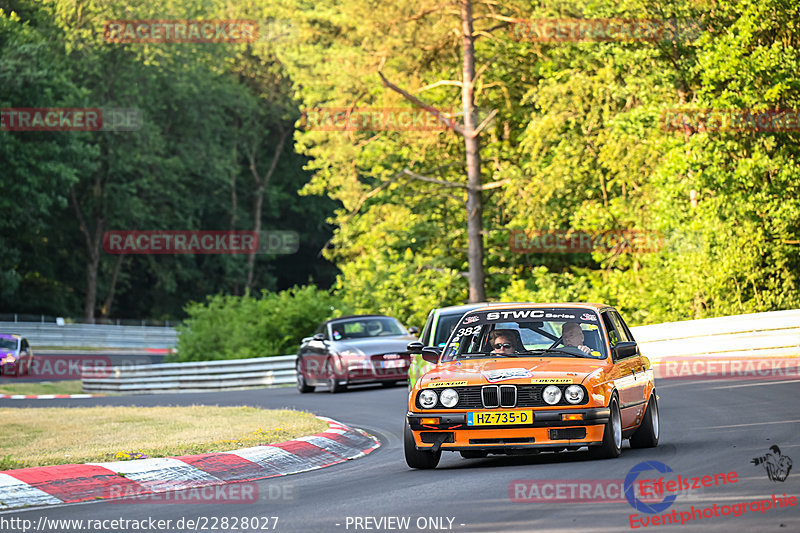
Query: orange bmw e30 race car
x: 527, y: 378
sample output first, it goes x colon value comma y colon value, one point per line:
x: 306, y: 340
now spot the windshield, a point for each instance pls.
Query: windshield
x: 366, y: 327
x: 446, y: 325
x: 8, y: 344
x: 551, y: 332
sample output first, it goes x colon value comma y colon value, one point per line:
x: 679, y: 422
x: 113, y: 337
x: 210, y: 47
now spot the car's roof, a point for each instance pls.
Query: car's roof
x: 351, y: 317
x: 10, y: 336
x: 464, y: 308
x: 576, y: 305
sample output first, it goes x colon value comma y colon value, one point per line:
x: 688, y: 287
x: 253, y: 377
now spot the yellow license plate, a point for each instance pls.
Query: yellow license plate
x: 500, y: 418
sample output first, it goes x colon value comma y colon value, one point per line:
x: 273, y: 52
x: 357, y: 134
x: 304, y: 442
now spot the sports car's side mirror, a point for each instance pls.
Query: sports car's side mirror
x: 430, y: 354
x: 414, y: 330
x: 624, y: 349
x: 319, y: 337
x: 415, y: 347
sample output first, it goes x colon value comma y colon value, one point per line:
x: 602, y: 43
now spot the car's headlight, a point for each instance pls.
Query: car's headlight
x: 449, y: 398
x: 551, y: 394
x: 427, y: 399
x: 574, y: 394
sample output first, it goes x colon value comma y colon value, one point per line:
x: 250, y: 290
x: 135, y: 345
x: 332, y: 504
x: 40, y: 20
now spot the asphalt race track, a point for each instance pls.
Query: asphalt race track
x: 707, y: 428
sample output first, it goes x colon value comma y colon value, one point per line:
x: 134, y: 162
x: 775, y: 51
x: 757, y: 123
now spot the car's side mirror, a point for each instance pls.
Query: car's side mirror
x: 624, y: 349
x: 415, y: 347
x: 319, y: 337
x: 431, y: 354
x: 414, y: 330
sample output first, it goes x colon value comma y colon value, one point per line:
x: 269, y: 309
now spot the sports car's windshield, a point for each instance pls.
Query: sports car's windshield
x: 551, y: 332
x: 366, y: 327
x: 8, y: 344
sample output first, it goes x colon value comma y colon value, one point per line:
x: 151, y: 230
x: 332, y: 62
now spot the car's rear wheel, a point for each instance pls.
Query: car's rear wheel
x: 421, y: 459
x: 647, y: 434
x: 612, y: 435
x: 473, y: 454
x: 302, y: 386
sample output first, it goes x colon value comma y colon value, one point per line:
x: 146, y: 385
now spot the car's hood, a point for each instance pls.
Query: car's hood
x: 4, y: 353
x: 511, y: 371
x: 374, y: 345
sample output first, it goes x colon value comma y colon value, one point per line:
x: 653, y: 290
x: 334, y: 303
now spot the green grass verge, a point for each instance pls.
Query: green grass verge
x: 51, y: 436
x: 72, y: 386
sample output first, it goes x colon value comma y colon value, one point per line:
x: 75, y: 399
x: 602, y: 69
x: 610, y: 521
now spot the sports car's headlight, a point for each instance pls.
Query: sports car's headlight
x: 449, y: 398
x: 574, y: 394
x: 551, y: 394
x: 427, y: 399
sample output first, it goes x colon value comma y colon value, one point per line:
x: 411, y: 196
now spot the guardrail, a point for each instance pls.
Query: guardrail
x: 758, y: 336
x: 92, y: 335
x: 191, y: 377
x: 761, y: 335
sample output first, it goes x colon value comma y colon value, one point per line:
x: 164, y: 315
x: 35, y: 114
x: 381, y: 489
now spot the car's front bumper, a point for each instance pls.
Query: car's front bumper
x: 547, y: 431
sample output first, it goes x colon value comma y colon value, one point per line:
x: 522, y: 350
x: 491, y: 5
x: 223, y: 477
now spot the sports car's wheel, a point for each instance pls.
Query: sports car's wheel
x: 418, y: 458
x: 469, y: 454
x: 302, y: 386
x: 334, y: 386
x: 647, y: 434
x: 612, y: 435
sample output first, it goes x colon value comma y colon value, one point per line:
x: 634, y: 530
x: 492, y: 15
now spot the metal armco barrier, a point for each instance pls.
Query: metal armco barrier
x: 762, y: 335
x: 191, y: 377
x: 92, y: 335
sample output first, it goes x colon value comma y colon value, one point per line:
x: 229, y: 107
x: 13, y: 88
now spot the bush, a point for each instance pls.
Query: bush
x: 239, y: 327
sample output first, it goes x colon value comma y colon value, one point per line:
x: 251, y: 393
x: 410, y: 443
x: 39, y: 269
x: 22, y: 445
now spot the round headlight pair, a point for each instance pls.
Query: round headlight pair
x: 552, y: 394
x: 428, y: 398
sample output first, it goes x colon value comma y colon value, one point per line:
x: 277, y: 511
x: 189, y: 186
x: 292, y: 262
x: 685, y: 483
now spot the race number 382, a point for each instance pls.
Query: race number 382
x: 474, y: 330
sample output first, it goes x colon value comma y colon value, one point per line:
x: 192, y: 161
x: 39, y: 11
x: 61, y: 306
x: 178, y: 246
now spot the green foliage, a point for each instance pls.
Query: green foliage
x: 239, y: 327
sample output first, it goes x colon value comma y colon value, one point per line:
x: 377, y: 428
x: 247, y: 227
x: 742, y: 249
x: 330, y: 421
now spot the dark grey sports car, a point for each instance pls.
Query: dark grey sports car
x: 354, y: 349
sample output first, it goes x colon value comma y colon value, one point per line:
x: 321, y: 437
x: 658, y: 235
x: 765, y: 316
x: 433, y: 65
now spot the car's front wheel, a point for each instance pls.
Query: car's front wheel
x: 612, y: 435
x: 647, y: 434
x: 302, y: 386
x: 421, y: 459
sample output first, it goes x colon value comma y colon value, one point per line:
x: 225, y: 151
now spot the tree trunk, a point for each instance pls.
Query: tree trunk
x: 105, y: 311
x: 477, y: 289
x: 258, y: 202
x: 93, y: 244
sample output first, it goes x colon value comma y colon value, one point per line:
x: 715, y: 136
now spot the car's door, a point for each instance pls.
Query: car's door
x: 624, y: 376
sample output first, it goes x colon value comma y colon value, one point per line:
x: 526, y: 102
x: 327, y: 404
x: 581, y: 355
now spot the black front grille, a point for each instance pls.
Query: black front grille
x: 508, y: 395
x: 567, y: 433
x: 430, y: 437
x: 521, y: 440
x: 484, y: 396
x: 490, y: 396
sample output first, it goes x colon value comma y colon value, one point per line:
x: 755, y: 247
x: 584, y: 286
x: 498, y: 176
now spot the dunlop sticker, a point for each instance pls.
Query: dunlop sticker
x: 445, y: 384
x: 552, y: 380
